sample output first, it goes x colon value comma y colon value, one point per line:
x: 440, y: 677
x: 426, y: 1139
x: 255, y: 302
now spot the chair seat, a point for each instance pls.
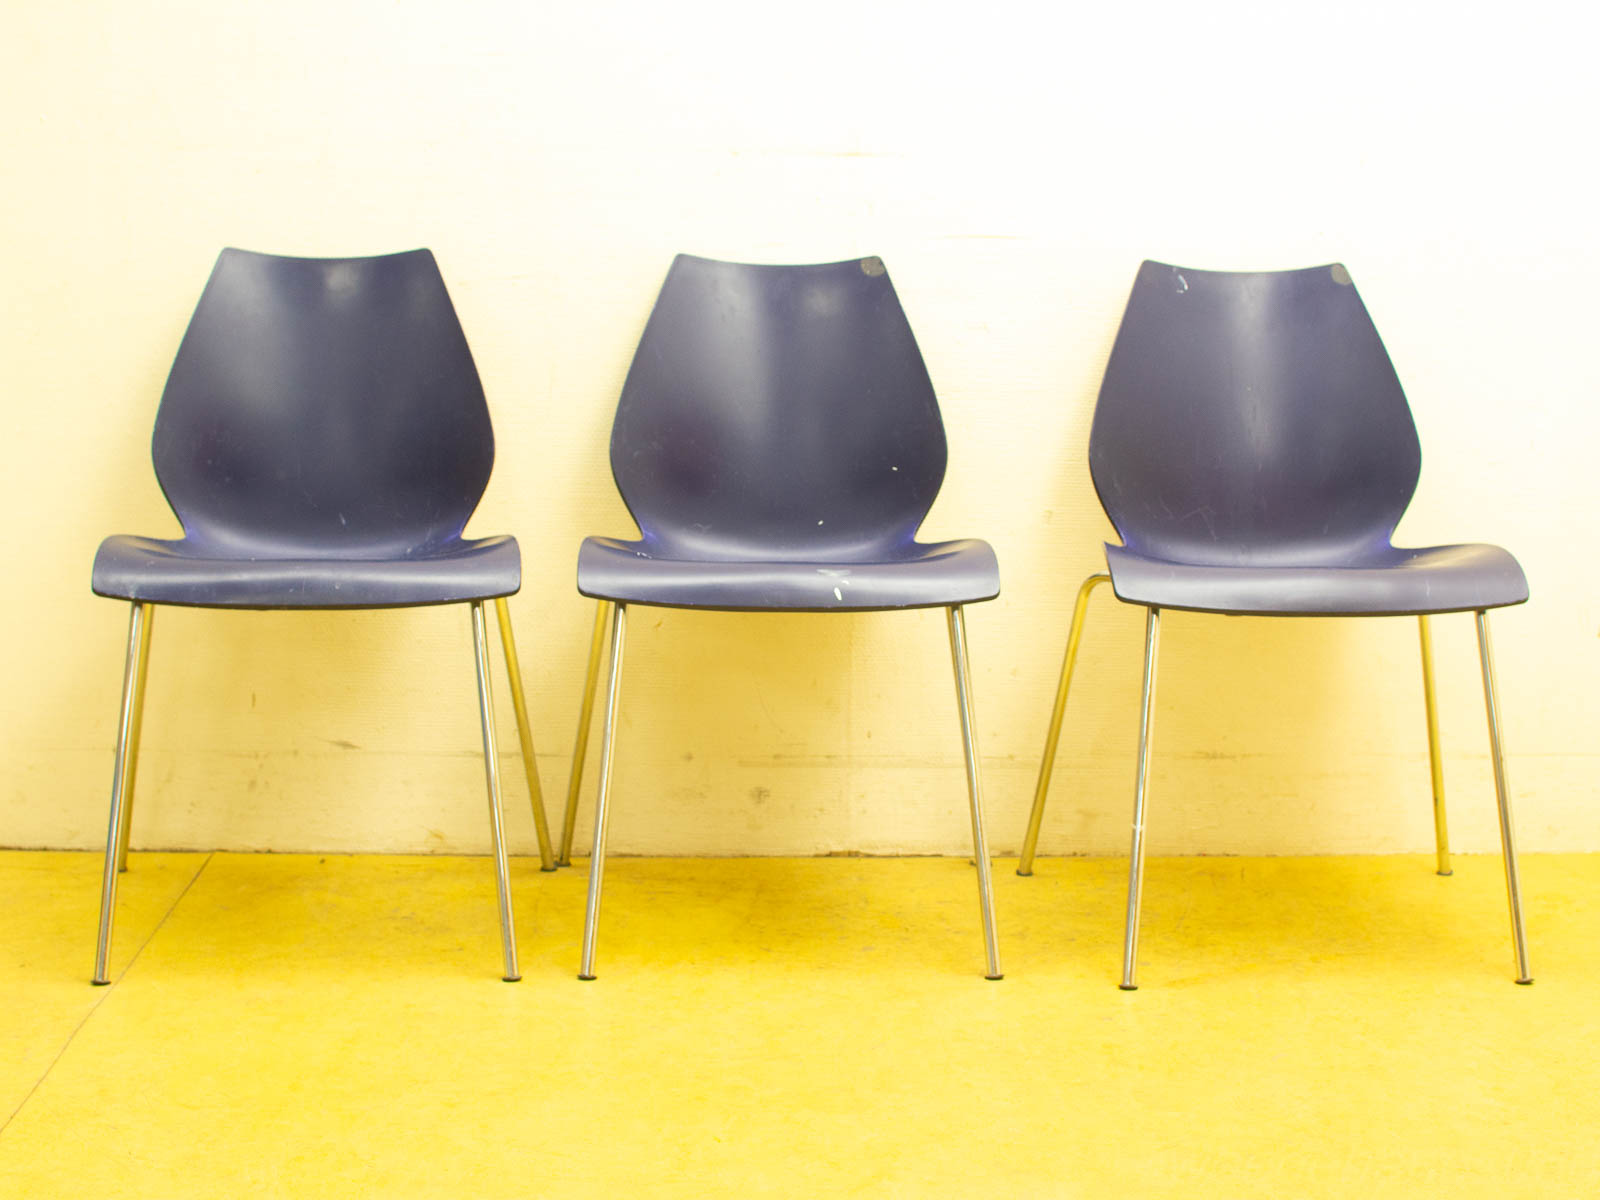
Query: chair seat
x: 918, y: 575
x: 1390, y: 581
x: 180, y: 572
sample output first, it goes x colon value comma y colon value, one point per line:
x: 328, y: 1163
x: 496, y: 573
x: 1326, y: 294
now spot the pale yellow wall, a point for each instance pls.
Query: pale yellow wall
x: 1012, y: 165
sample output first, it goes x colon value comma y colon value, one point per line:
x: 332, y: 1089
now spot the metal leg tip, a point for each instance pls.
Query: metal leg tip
x: 563, y: 862
x: 548, y: 870
x: 587, y: 978
x: 1024, y: 874
x: 510, y: 978
x: 1445, y: 874
x: 103, y: 982
x: 994, y: 978
x: 1128, y: 987
x: 1525, y: 982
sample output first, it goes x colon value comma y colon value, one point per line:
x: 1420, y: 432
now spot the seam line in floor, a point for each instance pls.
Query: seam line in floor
x: 106, y: 994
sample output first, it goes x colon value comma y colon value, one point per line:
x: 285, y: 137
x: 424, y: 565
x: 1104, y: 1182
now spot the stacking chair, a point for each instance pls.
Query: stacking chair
x: 778, y: 443
x: 323, y: 438
x: 1254, y: 451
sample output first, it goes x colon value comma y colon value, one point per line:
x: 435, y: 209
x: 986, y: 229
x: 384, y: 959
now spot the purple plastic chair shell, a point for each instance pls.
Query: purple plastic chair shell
x: 778, y: 443
x: 1254, y: 450
x: 323, y: 438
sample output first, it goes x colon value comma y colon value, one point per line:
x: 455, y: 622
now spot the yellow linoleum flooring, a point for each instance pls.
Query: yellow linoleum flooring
x: 294, y: 1025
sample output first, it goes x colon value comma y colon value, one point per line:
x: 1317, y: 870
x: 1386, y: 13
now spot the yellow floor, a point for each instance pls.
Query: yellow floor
x: 293, y: 1025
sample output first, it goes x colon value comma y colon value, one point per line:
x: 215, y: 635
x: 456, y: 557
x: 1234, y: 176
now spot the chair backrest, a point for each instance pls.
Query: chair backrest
x: 777, y: 412
x: 322, y: 407
x: 1251, y: 418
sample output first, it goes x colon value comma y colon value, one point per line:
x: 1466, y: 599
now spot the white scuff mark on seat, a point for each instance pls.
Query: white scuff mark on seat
x: 819, y: 522
x: 837, y: 594
x: 342, y: 521
x: 836, y: 572
x: 1183, y: 284
x: 894, y: 468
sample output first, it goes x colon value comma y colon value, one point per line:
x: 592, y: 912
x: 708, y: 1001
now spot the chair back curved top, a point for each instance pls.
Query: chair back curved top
x: 323, y: 408
x: 1251, y: 418
x: 777, y: 412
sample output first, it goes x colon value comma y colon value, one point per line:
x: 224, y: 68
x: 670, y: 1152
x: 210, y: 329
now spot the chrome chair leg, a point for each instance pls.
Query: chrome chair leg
x: 980, y: 848
x: 580, y: 748
x: 1508, y: 839
x: 1030, y: 841
x: 597, y: 855
x: 133, y: 737
x: 519, y: 704
x: 1130, y: 937
x: 1441, y: 834
x: 122, y: 777
x: 491, y: 769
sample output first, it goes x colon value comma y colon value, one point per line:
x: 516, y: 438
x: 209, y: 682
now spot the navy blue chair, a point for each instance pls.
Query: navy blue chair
x: 323, y: 438
x: 778, y: 443
x: 1254, y: 450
